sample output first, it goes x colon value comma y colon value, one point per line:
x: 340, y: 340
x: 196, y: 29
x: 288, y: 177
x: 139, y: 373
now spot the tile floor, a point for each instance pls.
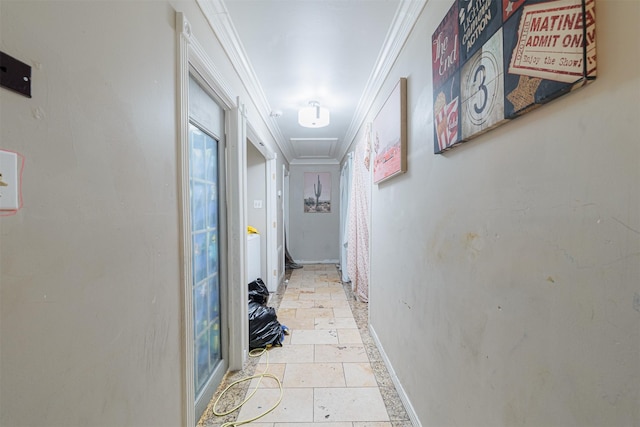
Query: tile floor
x: 330, y: 369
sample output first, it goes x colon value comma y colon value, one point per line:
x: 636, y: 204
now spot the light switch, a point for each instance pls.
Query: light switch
x: 257, y: 204
x: 9, y: 185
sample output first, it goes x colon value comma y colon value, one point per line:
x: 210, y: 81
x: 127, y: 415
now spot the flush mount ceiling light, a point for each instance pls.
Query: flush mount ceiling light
x: 313, y: 116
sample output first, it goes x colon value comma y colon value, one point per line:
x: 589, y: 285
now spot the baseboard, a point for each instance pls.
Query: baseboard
x: 396, y: 382
x: 325, y: 261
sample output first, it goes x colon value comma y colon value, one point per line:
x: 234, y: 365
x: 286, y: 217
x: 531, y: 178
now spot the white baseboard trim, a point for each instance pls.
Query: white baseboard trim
x: 324, y: 261
x: 401, y: 393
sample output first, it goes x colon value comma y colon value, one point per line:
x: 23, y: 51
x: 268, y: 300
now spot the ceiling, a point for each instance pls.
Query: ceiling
x: 291, y: 52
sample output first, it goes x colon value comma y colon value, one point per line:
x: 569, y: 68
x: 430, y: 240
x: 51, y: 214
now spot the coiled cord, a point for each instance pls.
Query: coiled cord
x: 253, y: 353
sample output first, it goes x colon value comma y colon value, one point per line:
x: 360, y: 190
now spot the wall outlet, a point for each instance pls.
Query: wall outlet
x: 257, y: 204
x: 9, y: 185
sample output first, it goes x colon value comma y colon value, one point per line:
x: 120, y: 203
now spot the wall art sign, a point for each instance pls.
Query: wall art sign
x: 389, y: 131
x: 494, y: 60
x: 317, y: 192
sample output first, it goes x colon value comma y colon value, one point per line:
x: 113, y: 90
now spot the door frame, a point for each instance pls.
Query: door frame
x: 272, y: 225
x: 272, y: 270
x: 193, y: 58
x: 285, y: 207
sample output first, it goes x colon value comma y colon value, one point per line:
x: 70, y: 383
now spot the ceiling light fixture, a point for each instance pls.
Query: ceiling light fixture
x: 313, y: 116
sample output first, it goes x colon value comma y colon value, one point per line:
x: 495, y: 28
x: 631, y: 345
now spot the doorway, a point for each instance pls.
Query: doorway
x: 207, y: 224
x: 256, y: 213
x: 207, y: 105
x: 262, y: 209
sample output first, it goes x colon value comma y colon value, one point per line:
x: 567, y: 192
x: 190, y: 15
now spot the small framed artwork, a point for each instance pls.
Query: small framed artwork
x: 317, y: 192
x: 389, y: 132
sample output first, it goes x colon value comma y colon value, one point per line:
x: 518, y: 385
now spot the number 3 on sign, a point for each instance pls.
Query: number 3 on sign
x: 482, y: 89
x: 482, y: 92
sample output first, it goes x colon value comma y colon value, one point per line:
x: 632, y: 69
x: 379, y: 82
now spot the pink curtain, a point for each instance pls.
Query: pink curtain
x: 358, y: 248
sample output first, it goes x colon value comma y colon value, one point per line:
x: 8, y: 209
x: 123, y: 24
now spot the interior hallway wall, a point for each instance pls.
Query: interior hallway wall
x: 505, y: 274
x: 314, y: 236
x: 90, y: 284
x: 90, y: 297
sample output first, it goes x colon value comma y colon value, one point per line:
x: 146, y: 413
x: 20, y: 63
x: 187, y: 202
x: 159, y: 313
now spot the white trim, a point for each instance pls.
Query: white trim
x: 263, y: 147
x: 285, y: 217
x: 272, y: 226
x: 183, y: 32
x: 324, y: 261
x: 237, y: 240
x: 325, y: 148
x: 220, y: 22
x: 404, y: 20
x: 191, y: 56
x: 281, y: 267
x: 285, y: 210
x: 271, y: 213
x: 295, y: 162
x: 396, y: 382
x: 199, y: 59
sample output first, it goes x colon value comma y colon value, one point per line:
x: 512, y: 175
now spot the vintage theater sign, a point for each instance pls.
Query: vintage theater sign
x: 493, y: 60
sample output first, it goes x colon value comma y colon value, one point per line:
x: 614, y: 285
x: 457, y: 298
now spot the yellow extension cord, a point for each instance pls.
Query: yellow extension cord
x: 253, y: 353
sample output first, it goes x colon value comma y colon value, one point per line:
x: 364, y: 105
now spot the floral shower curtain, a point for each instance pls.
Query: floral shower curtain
x: 358, y: 252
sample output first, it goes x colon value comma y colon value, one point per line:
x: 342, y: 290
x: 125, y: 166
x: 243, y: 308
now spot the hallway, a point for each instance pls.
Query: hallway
x: 330, y: 369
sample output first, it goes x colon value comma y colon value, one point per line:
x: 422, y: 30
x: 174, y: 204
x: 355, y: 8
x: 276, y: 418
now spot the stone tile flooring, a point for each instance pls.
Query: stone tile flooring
x: 331, y: 371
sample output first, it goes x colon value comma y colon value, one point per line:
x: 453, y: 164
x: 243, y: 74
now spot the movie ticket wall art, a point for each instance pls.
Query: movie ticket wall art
x: 494, y: 60
x: 389, y: 131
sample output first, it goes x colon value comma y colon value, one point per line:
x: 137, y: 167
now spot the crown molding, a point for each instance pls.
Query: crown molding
x: 220, y: 22
x: 403, y: 22
x: 299, y: 162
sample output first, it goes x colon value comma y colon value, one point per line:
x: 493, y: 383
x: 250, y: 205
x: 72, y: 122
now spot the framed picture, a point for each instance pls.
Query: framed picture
x: 317, y: 192
x: 494, y: 60
x: 389, y: 134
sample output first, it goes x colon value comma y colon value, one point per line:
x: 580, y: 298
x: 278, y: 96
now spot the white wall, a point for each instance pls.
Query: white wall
x: 505, y: 275
x: 90, y: 300
x: 314, y: 236
x: 90, y: 284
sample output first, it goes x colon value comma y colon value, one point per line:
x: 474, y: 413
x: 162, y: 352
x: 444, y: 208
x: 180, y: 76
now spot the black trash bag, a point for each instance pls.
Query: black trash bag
x: 258, y: 291
x: 264, y: 328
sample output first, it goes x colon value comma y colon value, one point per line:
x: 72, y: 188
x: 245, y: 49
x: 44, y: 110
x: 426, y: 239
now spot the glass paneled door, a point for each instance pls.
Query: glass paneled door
x: 206, y: 243
x: 203, y: 181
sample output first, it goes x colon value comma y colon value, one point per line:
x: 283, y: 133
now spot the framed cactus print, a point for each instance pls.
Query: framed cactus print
x: 317, y: 192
